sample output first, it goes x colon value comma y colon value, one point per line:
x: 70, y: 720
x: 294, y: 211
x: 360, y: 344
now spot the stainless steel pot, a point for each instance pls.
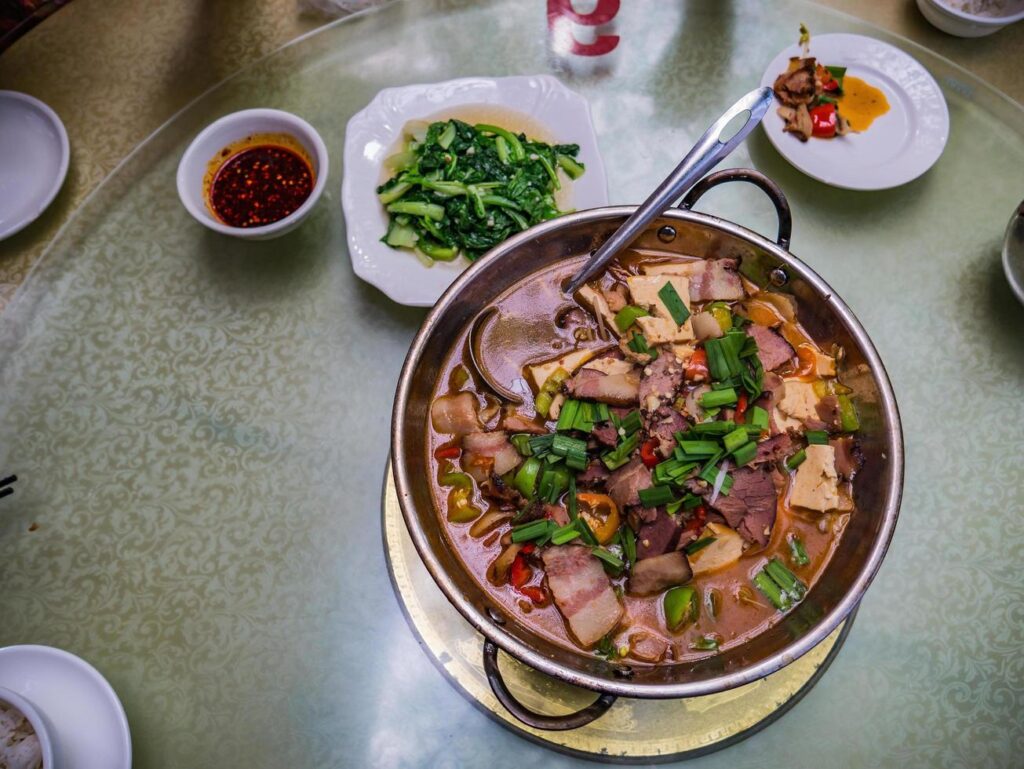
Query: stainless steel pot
x: 877, y: 489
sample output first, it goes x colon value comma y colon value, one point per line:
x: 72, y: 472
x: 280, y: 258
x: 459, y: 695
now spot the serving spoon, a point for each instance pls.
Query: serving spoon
x: 705, y: 155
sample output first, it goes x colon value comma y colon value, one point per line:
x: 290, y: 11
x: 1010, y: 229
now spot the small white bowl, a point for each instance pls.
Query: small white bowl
x: 235, y: 127
x: 964, y: 24
x: 36, y: 719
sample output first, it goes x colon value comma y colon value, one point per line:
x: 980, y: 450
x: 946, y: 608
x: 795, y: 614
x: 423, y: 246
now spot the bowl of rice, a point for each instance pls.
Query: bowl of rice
x: 24, y: 741
x: 971, y: 18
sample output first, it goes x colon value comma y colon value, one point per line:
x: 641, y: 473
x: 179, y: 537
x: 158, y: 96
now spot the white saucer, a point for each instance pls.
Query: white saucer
x: 34, y: 157
x: 898, y: 147
x: 83, y: 714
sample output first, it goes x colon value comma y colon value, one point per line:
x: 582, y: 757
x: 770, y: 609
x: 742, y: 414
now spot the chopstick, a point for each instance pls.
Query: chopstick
x: 5, y: 485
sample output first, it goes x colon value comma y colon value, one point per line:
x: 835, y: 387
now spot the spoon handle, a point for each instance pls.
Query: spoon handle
x: 704, y: 156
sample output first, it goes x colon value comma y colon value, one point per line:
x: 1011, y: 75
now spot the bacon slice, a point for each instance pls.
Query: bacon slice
x: 617, y: 389
x: 582, y: 592
x: 455, y: 414
x: 488, y: 452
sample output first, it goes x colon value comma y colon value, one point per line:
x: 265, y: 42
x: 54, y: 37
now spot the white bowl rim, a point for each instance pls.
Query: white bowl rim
x: 34, y: 717
x: 987, y: 21
x: 65, y: 159
x: 239, y: 118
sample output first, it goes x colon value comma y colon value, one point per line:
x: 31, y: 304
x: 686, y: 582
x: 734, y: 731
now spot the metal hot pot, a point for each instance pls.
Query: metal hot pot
x: 680, y: 231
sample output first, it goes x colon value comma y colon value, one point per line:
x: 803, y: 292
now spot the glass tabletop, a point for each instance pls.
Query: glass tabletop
x: 200, y: 425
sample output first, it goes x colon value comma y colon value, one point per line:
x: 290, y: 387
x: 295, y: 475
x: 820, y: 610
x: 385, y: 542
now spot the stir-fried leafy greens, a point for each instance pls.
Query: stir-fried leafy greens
x: 465, y: 189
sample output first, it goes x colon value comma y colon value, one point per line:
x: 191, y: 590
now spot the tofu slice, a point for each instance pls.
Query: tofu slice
x: 594, y: 301
x: 724, y: 551
x: 798, y: 400
x: 539, y: 372
x: 659, y: 327
x: 687, y: 269
x: 610, y: 366
x: 816, y: 485
x: 824, y: 365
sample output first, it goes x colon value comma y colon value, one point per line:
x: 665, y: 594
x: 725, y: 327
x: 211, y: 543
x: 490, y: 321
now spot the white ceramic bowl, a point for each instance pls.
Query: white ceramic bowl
x: 964, y: 24
x: 232, y: 128
x: 558, y: 114
x: 36, y: 719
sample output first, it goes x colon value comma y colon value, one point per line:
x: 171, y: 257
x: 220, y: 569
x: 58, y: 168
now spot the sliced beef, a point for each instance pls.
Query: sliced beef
x: 660, y: 382
x: 652, y: 575
x: 456, y: 414
x: 486, y: 453
x: 797, y: 85
x: 717, y: 281
x: 775, y: 448
x: 772, y: 349
x: 849, y: 457
x: 595, y: 473
x: 663, y: 426
x: 515, y: 423
x: 616, y: 390
x: 582, y: 592
x: 828, y: 412
x: 657, y: 537
x: 750, y: 505
x: 556, y: 513
x: 606, y: 433
x: 625, y: 483
x: 638, y: 516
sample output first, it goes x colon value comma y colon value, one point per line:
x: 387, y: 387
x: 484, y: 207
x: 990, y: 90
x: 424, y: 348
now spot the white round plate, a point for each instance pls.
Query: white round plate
x: 34, y: 157
x: 898, y: 147
x: 83, y: 714
x: 561, y: 114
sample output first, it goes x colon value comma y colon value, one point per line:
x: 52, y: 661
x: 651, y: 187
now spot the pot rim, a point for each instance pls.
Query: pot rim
x: 492, y: 631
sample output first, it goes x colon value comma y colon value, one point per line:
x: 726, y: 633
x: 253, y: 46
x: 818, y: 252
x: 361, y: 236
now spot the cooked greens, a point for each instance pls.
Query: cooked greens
x: 463, y: 189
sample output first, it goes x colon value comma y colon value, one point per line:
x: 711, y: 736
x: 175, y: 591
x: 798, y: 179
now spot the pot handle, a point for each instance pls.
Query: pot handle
x: 770, y: 188
x: 549, y: 723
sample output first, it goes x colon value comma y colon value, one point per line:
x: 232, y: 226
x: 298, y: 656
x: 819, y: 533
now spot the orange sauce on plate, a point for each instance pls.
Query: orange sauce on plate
x: 861, y: 103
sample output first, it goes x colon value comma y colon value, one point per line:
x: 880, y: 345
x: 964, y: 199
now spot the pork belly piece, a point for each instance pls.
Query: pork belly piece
x: 582, y: 592
x: 616, y: 390
x: 485, y: 453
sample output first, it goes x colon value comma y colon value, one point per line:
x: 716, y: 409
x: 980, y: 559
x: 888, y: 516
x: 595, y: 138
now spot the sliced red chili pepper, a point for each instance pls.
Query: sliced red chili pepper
x: 520, y: 573
x: 647, y: 455
x: 697, y: 367
x: 697, y: 521
x: 447, y: 452
x: 528, y: 548
x: 824, y: 121
x: 741, y: 408
x: 535, y: 594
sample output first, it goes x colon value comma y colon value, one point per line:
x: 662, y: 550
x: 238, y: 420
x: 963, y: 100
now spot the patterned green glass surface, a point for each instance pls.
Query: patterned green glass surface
x: 200, y: 425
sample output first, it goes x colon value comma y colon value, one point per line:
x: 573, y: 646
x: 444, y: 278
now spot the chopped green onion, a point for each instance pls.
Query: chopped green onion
x: 796, y: 460
x: 676, y: 307
x: 629, y: 544
x: 526, y: 478
x: 540, y: 445
x: 698, y: 545
x: 680, y: 605
x: 786, y: 579
x: 758, y: 417
x: 819, y: 437
x: 638, y: 344
x: 797, y: 554
x: 601, y: 412
x: 705, y: 644
x: 553, y: 483
x: 619, y: 456
x: 745, y: 453
x: 710, y: 475
x: 627, y: 316
x: 567, y: 533
x: 631, y: 422
x: 721, y: 427
x: 525, y: 532
x: 735, y: 439
x: 656, y: 495
x: 522, y: 443
x: 563, y: 445
x: 585, y: 531
x: 779, y: 599
x: 691, y: 501
x: 572, y: 503
x: 848, y: 414
x: 695, y: 448
x: 567, y: 415
x: 609, y: 558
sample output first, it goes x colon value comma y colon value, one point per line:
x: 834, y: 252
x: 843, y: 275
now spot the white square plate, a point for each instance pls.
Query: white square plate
x: 561, y: 115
